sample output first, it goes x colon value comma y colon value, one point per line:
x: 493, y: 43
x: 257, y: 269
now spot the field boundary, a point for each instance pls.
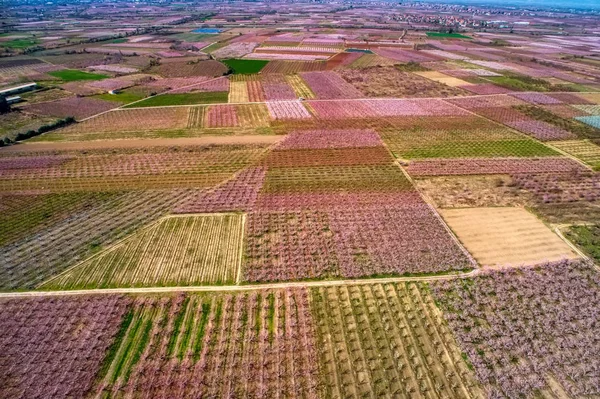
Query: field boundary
x: 253, y: 287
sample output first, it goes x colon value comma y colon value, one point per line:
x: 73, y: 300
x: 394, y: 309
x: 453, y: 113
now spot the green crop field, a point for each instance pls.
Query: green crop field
x: 245, y: 66
x: 183, y: 99
x: 447, y: 35
x: 72, y: 75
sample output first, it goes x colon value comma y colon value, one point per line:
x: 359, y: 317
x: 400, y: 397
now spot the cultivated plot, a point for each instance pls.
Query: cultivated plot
x: 203, y: 346
x: 387, y: 340
x: 506, y: 236
x: 186, y: 250
x: 528, y: 332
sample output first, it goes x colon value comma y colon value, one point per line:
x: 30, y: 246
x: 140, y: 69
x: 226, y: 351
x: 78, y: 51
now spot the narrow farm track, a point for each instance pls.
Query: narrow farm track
x: 235, y: 288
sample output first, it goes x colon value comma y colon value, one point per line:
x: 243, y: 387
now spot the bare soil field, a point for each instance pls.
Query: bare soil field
x: 473, y: 191
x: 390, y: 82
x: 185, y: 69
x: 506, y: 236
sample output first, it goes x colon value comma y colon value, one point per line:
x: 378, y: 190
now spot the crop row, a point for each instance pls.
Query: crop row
x: 323, y: 179
x: 192, y: 160
x: 176, y: 251
x: 387, y: 341
x: 283, y: 110
x: 202, y: 346
x: 483, y: 166
x: 328, y: 157
x: 23, y: 215
x: 330, y: 138
x: 384, y: 108
x: 132, y: 120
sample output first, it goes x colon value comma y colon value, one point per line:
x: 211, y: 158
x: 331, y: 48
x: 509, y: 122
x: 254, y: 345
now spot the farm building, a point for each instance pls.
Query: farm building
x: 18, y: 89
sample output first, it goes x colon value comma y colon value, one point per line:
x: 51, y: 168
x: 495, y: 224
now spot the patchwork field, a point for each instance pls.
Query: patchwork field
x: 294, y: 200
x: 506, y: 236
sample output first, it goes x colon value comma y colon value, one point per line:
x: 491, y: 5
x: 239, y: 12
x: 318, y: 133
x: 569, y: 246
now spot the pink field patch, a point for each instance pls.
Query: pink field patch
x: 414, y: 107
x: 334, y: 110
x: 349, y: 242
x: 485, y: 88
x: 276, y: 88
x: 112, y: 84
x: 282, y: 110
x: 570, y: 98
x: 537, y: 98
x: 77, y: 107
x: 314, y: 139
x: 222, y: 116
x: 541, y: 130
x: 33, y: 162
x: 485, y: 166
x: 279, y: 91
x: 394, y: 240
x: 219, y: 84
x: 490, y: 101
x: 330, y: 201
x: 406, y: 55
x: 329, y: 85
x: 237, y: 195
x: 176, y: 83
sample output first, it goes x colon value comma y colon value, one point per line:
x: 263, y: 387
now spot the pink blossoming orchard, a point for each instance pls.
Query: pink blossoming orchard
x: 309, y: 201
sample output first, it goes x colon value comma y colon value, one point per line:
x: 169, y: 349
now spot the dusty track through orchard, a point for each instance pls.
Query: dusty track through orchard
x: 234, y: 288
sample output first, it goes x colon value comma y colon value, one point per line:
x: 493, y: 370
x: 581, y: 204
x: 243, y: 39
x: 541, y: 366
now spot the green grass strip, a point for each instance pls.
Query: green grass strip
x: 187, y: 333
x: 116, y: 344
x: 245, y: 66
x: 126, y: 349
x: 139, y: 349
x: 271, y: 316
x: 177, y: 326
x: 508, y: 148
x: 182, y: 99
x: 201, y: 330
x: 257, y: 319
x: 71, y: 75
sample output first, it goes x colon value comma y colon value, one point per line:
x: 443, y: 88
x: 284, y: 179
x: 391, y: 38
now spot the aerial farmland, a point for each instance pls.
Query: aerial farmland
x: 333, y: 199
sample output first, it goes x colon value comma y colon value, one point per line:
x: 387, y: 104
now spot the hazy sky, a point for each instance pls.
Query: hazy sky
x: 579, y: 4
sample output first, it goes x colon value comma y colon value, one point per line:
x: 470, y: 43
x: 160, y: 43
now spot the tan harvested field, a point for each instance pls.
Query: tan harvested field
x: 443, y: 78
x: 387, y: 340
x: 175, y: 251
x: 300, y: 87
x: 133, y: 143
x: 584, y: 150
x: 388, y: 81
x: 253, y: 115
x: 371, y: 60
x: 184, y: 69
x: 506, y: 236
x: 473, y: 191
x: 238, y: 92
